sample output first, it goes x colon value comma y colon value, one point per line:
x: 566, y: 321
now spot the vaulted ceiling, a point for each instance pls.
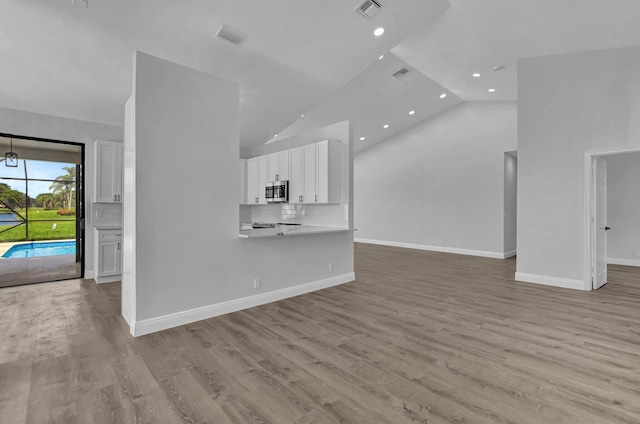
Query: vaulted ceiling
x: 300, y: 57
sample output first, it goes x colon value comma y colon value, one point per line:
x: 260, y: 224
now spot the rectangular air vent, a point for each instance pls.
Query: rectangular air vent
x: 368, y: 8
x: 230, y: 34
x: 401, y: 73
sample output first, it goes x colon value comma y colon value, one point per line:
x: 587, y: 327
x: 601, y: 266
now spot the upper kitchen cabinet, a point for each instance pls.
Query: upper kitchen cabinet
x: 257, y: 174
x: 316, y: 173
x: 278, y: 166
x: 108, y: 177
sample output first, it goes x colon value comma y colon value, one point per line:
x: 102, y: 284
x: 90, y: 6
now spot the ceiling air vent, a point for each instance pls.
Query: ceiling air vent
x: 230, y: 34
x: 401, y: 73
x: 368, y: 8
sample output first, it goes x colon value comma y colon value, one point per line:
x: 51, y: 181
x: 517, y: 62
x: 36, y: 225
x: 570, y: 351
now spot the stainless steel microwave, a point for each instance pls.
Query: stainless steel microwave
x: 277, y: 191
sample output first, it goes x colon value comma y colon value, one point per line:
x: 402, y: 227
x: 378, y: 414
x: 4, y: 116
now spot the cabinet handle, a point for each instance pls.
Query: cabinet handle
x: 316, y: 198
x: 256, y: 200
x: 115, y: 197
x: 300, y: 198
x: 277, y: 175
x: 118, y: 245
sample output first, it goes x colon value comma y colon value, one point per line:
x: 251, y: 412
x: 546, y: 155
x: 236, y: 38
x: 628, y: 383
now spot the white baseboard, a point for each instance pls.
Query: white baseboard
x: 109, y: 279
x: 565, y: 283
x: 510, y: 254
x: 151, y: 325
x: 626, y: 262
x: 456, y: 250
x: 88, y: 274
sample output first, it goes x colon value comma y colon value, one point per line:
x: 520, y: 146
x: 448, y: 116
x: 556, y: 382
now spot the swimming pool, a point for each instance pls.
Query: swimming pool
x: 35, y: 249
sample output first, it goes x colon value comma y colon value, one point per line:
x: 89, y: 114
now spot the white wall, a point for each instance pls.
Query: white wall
x: 567, y: 105
x: 190, y: 263
x: 29, y: 124
x: 439, y: 182
x: 623, y: 208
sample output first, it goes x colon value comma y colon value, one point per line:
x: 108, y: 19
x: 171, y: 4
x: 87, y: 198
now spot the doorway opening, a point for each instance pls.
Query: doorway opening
x: 510, y: 204
x: 598, y: 214
x: 41, y: 210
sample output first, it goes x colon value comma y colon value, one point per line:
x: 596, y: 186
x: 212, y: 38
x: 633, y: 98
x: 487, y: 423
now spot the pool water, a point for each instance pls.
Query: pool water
x: 8, y: 218
x: 36, y: 249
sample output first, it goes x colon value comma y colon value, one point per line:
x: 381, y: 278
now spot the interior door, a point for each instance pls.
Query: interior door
x: 600, y: 223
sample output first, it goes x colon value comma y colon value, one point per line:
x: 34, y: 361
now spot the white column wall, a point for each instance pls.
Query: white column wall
x: 189, y: 262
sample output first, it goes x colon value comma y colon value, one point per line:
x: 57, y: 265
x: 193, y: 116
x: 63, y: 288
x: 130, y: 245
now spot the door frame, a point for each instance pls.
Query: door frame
x: 589, y: 199
x: 80, y: 210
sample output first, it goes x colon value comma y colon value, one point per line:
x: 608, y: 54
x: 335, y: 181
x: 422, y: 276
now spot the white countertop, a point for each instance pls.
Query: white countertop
x: 289, y: 230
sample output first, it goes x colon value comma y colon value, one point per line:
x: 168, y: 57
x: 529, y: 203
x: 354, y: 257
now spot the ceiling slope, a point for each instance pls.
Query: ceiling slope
x: 64, y: 60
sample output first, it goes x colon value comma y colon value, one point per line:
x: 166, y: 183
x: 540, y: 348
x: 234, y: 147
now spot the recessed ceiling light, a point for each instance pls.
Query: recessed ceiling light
x: 378, y: 32
x: 302, y: 116
x: 443, y: 95
x: 380, y: 57
x: 476, y: 75
x: 361, y: 138
x: 276, y: 135
x: 491, y: 90
x: 412, y: 112
x: 385, y: 126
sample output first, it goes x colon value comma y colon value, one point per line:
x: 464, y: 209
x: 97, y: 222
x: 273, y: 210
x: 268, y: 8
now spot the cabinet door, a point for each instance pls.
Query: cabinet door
x: 263, y: 166
x: 322, y: 173
x: 108, y: 175
x: 273, y: 168
x: 296, y: 175
x: 283, y: 165
x: 118, y: 168
x: 252, y: 181
x: 109, y: 258
x: 244, y: 184
x: 309, y: 174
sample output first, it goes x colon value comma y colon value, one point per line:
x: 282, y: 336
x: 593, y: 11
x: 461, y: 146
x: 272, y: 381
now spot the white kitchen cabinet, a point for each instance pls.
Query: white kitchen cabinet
x: 244, y: 184
x: 328, y: 171
x: 108, y: 255
x: 108, y: 175
x: 309, y: 174
x: 278, y: 166
x: 252, y: 181
x: 257, y: 169
x: 296, y: 175
x: 316, y: 172
x: 263, y: 169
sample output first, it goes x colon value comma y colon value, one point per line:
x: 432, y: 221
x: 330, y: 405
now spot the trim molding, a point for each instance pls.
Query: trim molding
x: 565, y: 283
x: 164, y: 322
x: 107, y: 279
x: 456, y: 250
x: 626, y: 262
x: 510, y: 254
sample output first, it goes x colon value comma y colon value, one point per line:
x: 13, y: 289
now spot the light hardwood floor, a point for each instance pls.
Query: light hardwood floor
x: 420, y: 337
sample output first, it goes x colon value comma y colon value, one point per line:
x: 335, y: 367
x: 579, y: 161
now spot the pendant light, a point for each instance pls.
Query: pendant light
x: 11, y: 158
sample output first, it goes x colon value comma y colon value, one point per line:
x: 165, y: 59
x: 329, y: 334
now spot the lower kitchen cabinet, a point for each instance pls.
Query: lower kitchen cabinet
x: 108, y: 255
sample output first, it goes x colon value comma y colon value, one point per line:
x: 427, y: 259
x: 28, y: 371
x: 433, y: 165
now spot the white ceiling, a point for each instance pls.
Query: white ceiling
x: 307, y: 57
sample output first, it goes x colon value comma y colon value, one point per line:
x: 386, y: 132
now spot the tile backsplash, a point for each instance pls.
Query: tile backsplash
x: 326, y: 215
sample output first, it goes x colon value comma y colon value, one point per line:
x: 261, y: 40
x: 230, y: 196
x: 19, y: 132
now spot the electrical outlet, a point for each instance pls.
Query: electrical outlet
x: 458, y: 243
x: 441, y: 242
x: 257, y: 283
x: 330, y: 267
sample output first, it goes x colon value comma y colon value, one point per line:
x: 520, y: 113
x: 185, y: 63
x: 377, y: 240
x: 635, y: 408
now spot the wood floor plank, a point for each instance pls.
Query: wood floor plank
x: 419, y: 337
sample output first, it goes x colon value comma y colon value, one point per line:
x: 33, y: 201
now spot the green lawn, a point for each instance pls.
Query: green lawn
x: 65, y: 226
